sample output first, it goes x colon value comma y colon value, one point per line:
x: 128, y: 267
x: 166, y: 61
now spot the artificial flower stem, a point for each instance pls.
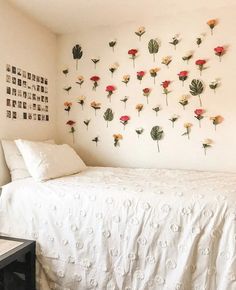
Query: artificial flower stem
x: 133, y: 63
x: 200, y: 101
x: 166, y: 100
x: 158, y: 147
x: 199, y: 123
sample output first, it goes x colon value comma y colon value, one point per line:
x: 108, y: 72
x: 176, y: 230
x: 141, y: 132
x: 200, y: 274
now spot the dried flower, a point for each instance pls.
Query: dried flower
x: 95, y: 80
x: 95, y: 60
x: 200, y: 63
x: 216, y: 120
x: 65, y: 71
x: 173, y: 119
x: 166, y: 60
x: 80, y: 80
x: 214, y: 85
x: 113, y: 68
x: 219, y: 51
x: 206, y: 144
x: 96, y: 140
x: 117, y: 138
x: 187, y: 56
x: 96, y: 106
x: 187, y: 126
x: 139, y: 131
x: 126, y: 79
x: 140, y: 31
x: 124, y: 120
x: 139, y: 108
x: 140, y: 75
x: 112, y: 44
x: 157, y: 109
x: 67, y: 89
x: 212, y: 23
x: 110, y: 89
x: 175, y: 41
x: 81, y: 100
x: 146, y: 93
x: 71, y: 123
x: 183, y: 75
x: 124, y: 100
x: 86, y: 122
x: 153, y: 73
x: 67, y: 106
x: 199, y: 115
x: 165, y: 86
x: 184, y: 101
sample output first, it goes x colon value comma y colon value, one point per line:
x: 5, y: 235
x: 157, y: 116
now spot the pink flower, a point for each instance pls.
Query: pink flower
x: 200, y: 62
x: 165, y: 84
x: 95, y: 78
x: 124, y: 120
x: 110, y: 89
x: 199, y: 112
x: 133, y: 52
x: 140, y: 75
x: 219, y: 51
x: 183, y: 75
x: 146, y: 91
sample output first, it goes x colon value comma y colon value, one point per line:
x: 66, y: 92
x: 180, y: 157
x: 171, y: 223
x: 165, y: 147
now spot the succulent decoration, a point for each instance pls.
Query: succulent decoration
x: 157, y: 134
x: 77, y: 54
x: 139, y: 131
x: 153, y: 47
x: 108, y: 116
x: 140, y: 31
x: 207, y: 143
x: 196, y: 89
x: 175, y: 41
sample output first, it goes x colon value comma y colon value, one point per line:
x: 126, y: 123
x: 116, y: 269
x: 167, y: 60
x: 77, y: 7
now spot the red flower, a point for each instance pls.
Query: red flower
x: 146, y: 91
x: 140, y: 73
x: 110, y: 88
x: 199, y: 112
x: 165, y: 84
x: 95, y: 78
x: 133, y: 52
x: 70, y: 123
x: 219, y: 50
x: 183, y: 73
x: 124, y: 118
x: 200, y: 62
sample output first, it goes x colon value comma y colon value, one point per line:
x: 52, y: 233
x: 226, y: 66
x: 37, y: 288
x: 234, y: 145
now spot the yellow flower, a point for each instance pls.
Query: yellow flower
x: 216, y: 119
x: 95, y: 105
x: 187, y: 125
x: 117, y: 136
x: 154, y: 70
x: 139, y: 107
x: 114, y: 66
x: 141, y: 30
x: 184, y: 98
x: 126, y: 78
x: 166, y: 60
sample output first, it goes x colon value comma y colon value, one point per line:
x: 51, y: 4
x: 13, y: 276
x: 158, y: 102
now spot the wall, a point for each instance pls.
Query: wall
x: 176, y: 150
x: 31, y: 47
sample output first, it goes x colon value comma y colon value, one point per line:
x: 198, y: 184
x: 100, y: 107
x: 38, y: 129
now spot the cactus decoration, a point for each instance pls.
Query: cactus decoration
x: 77, y: 53
x: 153, y: 47
x: 108, y: 116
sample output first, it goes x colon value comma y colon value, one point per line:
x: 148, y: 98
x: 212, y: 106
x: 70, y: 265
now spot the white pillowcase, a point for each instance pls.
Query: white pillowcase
x: 47, y: 161
x: 15, y: 161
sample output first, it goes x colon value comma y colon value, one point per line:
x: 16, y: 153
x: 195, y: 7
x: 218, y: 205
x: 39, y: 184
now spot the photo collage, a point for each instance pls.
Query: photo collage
x: 26, y: 95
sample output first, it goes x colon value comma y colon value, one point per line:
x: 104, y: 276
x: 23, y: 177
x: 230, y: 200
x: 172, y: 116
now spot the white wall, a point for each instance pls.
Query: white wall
x: 176, y: 150
x: 27, y: 45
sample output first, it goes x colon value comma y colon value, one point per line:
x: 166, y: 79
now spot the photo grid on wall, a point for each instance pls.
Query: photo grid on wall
x: 26, y: 95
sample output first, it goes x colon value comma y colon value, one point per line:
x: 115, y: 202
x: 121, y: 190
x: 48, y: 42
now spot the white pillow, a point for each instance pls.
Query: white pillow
x: 47, y: 161
x: 15, y: 161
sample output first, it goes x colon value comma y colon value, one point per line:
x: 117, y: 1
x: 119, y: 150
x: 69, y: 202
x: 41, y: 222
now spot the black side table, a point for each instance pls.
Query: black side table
x: 17, y: 256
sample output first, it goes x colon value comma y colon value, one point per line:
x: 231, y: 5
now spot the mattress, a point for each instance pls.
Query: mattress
x: 114, y: 228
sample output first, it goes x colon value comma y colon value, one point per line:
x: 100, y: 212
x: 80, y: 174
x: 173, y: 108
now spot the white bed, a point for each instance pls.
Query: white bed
x: 108, y: 228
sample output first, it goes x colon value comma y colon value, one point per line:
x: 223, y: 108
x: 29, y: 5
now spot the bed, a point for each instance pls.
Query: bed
x: 114, y: 228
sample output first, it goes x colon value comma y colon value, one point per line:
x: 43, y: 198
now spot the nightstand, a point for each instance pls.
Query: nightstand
x: 17, y: 256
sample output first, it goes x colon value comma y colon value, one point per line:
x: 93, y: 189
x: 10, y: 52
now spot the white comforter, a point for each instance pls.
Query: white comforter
x: 128, y: 229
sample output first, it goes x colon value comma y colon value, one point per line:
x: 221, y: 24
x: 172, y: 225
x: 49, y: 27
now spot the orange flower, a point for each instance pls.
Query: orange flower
x: 212, y: 23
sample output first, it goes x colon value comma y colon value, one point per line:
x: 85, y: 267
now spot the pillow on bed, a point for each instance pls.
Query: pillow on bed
x: 15, y: 161
x: 48, y: 161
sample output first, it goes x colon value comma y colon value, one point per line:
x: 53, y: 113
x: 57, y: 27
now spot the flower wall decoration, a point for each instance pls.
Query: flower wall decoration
x: 67, y: 106
x: 96, y: 106
x: 199, y: 39
x: 140, y: 75
x: 173, y: 119
x: 113, y: 68
x: 207, y: 143
x: 156, y: 109
x: 77, y: 53
x: 187, y: 127
x: 146, y: 93
x: 214, y: 85
x: 117, y: 138
x: 81, y: 101
x: 139, y: 131
x: 124, y: 100
x: 219, y: 51
x: 175, y: 41
x: 165, y: 86
x: 166, y: 60
x: 126, y: 79
x: 183, y: 75
x: 196, y: 89
x: 86, y: 123
x: 184, y: 101
x: 124, y: 120
x: 65, y: 71
x: 139, y: 108
x: 157, y: 134
x: 95, y: 80
x: 140, y: 31
x: 110, y: 89
x: 153, y: 47
x: 112, y: 44
x: 200, y: 64
x: 71, y: 123
x: 95, y: 61
x: 153, y: 73
x: 133, y: 55
x: 199, y: 115
x: 187, y: 56
x: 108, y: 116
x: 80, y: 80
x: 212, y: 23
x: 96, y: 140
x: 216, y: 120
x: 67, y: 89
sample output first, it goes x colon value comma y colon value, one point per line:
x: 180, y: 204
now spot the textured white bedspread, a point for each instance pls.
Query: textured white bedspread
x: 128, y: 229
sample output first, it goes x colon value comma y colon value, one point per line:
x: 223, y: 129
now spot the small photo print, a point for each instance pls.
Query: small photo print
x: 24, y: 74
x: 19, y: 104
x: 42, y: 89
x: 42, y: 99
x: 19, y: 82
x: 34, y: 117
x: 38, y: 79
x: 34, y: 97
x: 13, y: 80
x: 29, y: 96
x: 46, y: 99
x: 24, y: 94
x: 46, y: 82
x: 39, y: 117
x: 24, y: 84
x: 34, y: 106
x: 13, y: 69
x: 29, y: 76
x: 8, y: 90
x: 8, y: 78
x: 14, y: 103
x: 19, y: 72
x: 19, y: 93
x: 38, y: 99
x: 39, y: 107
x: 38, y: 88
x: 25, y: 116
x: 43, y: 118
x: 24, y: 105
x: 30, y: 116
x: 33, y: 77
x: 14, y: 92
x: 46, y: 90
x: 8, y: 114
x: 14, y: 115
x: 42, y: 80
x: 8, y: 102
x: 47, y: 117
x: 46, y: 108
x: 8, y: 68
x: 34, y: 87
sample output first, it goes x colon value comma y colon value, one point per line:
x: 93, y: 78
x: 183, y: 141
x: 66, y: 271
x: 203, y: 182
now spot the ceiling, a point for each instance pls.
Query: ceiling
x: 68, y: 16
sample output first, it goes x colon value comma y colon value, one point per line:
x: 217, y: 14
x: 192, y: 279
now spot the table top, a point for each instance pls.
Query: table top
x: 12, y: 246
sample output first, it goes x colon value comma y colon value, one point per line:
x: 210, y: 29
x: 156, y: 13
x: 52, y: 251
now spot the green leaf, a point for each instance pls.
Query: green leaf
x: 108, y: 115
x: 156, y: 133
x: 196, y: 87
x: 153, y: 47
